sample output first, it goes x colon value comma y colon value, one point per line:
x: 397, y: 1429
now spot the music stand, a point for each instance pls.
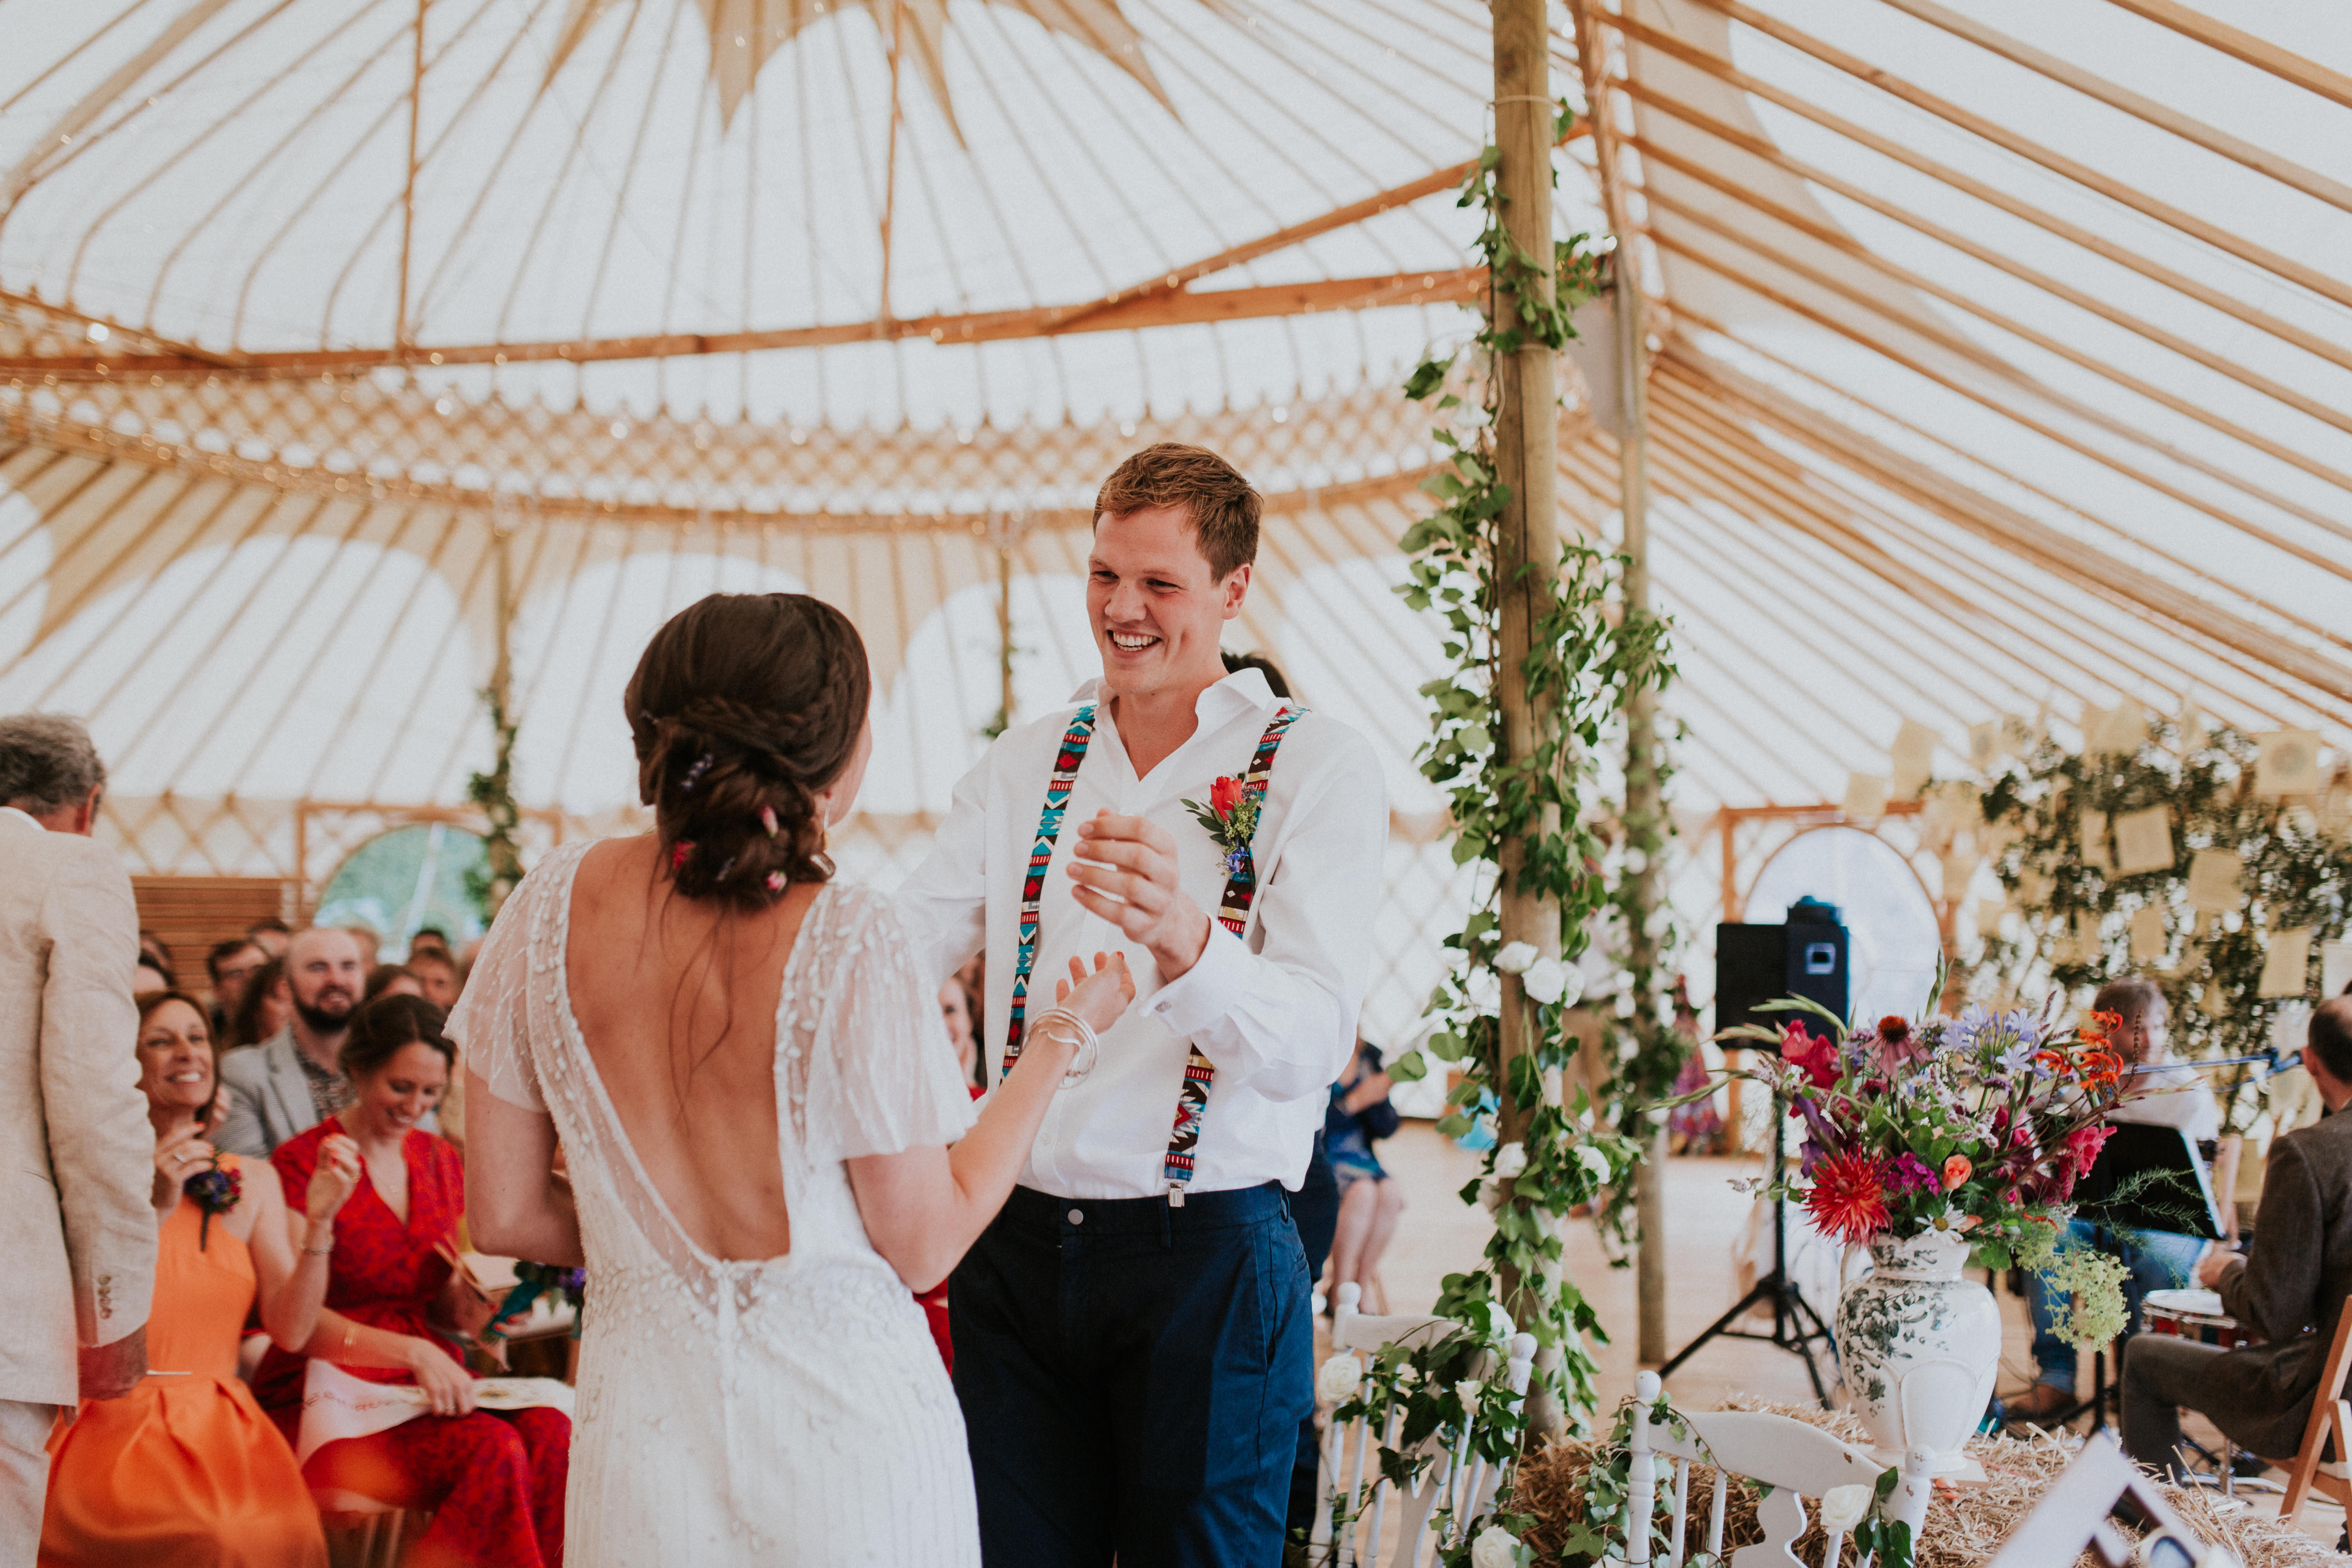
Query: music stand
x: 1790, y: 1312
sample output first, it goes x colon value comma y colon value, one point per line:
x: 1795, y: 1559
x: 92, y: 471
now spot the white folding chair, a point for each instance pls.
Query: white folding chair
x: 1797, y: 1460
x: 2073, y: 1516
x: 1464, y: 1482
x: 361, y: 1531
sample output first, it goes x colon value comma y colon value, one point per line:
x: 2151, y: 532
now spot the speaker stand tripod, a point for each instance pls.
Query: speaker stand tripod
x: 1795, y: 1324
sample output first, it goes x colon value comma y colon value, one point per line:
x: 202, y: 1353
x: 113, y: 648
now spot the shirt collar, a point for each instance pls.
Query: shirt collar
x: 26, y: 817
x: 1244, y: 691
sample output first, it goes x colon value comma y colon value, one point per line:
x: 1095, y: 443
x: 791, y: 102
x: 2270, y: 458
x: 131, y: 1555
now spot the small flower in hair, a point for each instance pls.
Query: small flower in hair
x: 677, y: 854
x: 767, y: 819
x: 775, y: 881
x: 694, y: 775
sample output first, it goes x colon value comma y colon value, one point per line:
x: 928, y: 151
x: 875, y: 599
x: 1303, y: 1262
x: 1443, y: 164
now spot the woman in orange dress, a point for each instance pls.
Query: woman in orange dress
x: 186, y: 1471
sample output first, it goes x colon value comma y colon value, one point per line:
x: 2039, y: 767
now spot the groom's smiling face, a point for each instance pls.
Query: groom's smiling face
x: 1156, y: 606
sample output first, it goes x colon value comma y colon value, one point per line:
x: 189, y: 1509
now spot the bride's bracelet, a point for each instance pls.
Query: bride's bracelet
x: 1088, y: 1049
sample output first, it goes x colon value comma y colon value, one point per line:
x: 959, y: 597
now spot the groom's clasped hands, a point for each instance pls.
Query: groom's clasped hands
x: 1125, y: 870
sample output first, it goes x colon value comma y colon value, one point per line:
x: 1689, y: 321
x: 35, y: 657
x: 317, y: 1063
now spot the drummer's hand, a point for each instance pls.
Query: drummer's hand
x: 2217, y: 1263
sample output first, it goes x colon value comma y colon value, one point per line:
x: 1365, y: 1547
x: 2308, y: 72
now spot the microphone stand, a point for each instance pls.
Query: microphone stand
x: 1795, y: 1324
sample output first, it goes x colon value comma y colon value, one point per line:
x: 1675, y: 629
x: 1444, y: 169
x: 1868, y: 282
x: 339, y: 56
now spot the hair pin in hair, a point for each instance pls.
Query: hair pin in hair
x: 767, y: 819
x: 727, y: 869
x: 677, y: 854
x: 694, y: 773
x: 775, y: 881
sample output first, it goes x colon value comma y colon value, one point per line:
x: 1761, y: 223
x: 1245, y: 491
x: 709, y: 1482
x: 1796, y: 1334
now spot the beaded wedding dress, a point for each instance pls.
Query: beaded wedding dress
x: 786, y: 1411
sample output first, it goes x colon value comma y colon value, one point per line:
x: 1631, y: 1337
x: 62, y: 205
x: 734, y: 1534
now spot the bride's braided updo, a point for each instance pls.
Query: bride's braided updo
x: 744, y: 708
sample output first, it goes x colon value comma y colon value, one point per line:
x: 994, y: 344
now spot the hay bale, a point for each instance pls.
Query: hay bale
x: 1966, y: 1524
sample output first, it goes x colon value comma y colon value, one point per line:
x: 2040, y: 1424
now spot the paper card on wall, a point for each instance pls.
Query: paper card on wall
x: 2032, y: 888
x: 2149, y: 937
x: 1988, y: 913
x: 2094, y: 725
x: 1912, y: 759
x: 1959, y: 868
x: 2144, y: 840
x: 2095, y: 840
x: 2334, y: 968
x: 2286, y: 963
x: 2213, y: 879
x: 2192, y: 727
x: 1865, y: 797
x: 2286, y: 761
x: 1984, y: 746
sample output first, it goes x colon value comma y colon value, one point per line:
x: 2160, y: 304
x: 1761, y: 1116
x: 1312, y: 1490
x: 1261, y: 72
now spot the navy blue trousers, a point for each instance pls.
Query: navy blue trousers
x: 1132, y: 1378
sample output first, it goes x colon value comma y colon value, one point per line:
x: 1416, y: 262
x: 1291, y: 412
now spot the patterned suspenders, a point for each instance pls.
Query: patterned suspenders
x: 1233, y: 913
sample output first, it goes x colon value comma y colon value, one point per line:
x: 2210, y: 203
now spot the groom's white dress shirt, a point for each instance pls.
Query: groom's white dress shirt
x: 1274, y: 1010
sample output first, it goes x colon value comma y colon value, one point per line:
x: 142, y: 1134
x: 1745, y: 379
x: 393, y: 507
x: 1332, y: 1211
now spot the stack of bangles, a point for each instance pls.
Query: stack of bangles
x: 1078, y: 1029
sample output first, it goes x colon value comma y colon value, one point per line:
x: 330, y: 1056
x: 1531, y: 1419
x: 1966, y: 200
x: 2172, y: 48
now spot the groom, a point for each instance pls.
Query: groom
x: 1133, y: 1335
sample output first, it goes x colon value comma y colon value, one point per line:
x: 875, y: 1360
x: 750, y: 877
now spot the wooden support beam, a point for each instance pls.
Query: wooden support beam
x: 2163, y: 116
x: 2236, y: 42
x: 1462, y: 286
x: 2057, y: 163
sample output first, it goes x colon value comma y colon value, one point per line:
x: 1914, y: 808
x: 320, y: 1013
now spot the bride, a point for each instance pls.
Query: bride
x: 755, y: 1100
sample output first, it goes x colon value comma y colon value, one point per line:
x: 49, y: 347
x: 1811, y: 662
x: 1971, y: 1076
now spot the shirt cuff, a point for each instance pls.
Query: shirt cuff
x: 1205, y: 993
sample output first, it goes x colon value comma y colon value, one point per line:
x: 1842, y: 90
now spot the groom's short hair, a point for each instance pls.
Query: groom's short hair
x: 1225, y: 507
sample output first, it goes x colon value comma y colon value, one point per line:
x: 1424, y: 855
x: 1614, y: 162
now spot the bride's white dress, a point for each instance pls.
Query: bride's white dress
x: 788, y: 1411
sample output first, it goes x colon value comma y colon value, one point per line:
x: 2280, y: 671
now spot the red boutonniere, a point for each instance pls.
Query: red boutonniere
x: 1230, y: 817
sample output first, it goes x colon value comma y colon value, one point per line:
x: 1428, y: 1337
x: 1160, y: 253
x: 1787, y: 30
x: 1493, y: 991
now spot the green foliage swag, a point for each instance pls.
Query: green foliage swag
x: 2076, y: 911
x: 493, y: 792
x: 1588, y: 652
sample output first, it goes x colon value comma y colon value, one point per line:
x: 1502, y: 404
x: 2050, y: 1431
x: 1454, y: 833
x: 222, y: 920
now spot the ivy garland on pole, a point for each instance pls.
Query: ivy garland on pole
x: 1587, y: 655
x: 2107, y: 856
x: 493, y: 792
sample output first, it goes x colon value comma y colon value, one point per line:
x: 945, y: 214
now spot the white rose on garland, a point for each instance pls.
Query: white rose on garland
x: 1336, y: 1379
x: 1499, y: 1327
x: 1594, y: 1160
x: 1548, y: 980
x: 1844, y: 1507
x: 1467, y: 1391
x: 1516, y: 957
x: 1511, y: 1159
x: 1495, y: 1548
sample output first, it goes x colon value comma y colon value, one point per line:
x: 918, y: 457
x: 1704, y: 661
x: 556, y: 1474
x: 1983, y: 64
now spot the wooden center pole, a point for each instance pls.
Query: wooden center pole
x: 1527, y: 533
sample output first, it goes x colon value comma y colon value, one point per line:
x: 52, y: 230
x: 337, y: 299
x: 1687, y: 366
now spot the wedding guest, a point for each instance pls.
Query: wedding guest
x: 371, y: 946
x: 293, y: 1080
x: 231, y: 963
x: 146, y: 977
x: 436, y: 976
x: 267, y: 1006
x: 2174, y: 1096
x: 78, y: 1233
x: 429, y: 939
x: 2288, y: 1288
x: 392, y: 979
x: 955, y: 1012
x: 271, y: 934
x: 187, y: 1470
x: 493, y: 1481
x: 154, y: 955
x: 1155, y: 1192
x: 1370, y: 1199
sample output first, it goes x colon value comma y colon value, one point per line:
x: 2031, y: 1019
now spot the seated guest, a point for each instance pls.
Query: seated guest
x: 230, y: 964
x: 1369, y: 1199
x: 2158, y: 1260
x: 186, y: 1470
x: 266, y: 1007
x: 292, y: 1080
x: 436, y: 976
x: 392, y: 980
x: 146, y: 979
x: 493, y: 1481
x: 2288, y: 1291
x: 271, y: 934
x: 429, y: 939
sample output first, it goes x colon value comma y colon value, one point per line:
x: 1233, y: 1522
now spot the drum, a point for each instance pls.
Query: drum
x: 2193, y: 1315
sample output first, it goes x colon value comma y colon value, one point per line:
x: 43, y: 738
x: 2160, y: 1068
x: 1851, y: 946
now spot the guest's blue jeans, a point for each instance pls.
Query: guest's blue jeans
x: 2158, y: 1260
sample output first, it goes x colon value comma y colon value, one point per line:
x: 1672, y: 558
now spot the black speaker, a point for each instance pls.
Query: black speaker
x: 1758, y: 963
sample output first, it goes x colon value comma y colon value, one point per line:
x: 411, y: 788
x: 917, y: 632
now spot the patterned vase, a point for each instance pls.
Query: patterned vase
x: 1918, y: 1345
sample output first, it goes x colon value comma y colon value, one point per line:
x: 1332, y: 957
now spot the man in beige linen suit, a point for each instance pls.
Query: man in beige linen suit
x: 77, y: 1221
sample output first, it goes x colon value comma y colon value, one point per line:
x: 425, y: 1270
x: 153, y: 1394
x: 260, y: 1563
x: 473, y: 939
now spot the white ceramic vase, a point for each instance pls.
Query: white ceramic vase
x: 1919, y: 1345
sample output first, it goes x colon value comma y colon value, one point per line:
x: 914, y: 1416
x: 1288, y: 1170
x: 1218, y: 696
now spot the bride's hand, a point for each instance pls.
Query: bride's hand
x: 1100, y: 997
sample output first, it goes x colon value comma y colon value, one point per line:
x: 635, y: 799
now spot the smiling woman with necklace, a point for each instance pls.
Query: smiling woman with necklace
x: 187, y: 1469
x: 494, y: 1482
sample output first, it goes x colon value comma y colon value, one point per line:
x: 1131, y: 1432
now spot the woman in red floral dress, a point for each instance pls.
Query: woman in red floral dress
x: 493, y: 1481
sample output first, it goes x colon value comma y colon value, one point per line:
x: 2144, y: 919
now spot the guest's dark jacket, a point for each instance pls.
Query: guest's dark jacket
x: 2290, y: 1291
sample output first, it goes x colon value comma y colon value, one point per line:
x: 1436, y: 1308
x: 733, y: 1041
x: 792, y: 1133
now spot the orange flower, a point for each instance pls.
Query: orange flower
x: 2101, y: 1027
x: 1955, y: 1170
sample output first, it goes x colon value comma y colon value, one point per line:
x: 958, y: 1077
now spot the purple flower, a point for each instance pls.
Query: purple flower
x: 1908, y: 1175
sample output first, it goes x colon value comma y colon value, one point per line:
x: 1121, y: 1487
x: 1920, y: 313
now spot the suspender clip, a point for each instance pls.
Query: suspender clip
x: 1175, y: 1194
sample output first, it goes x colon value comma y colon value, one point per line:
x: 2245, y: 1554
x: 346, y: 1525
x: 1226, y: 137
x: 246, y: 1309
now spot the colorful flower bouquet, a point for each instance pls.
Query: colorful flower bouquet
x: 1979, y: 1124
